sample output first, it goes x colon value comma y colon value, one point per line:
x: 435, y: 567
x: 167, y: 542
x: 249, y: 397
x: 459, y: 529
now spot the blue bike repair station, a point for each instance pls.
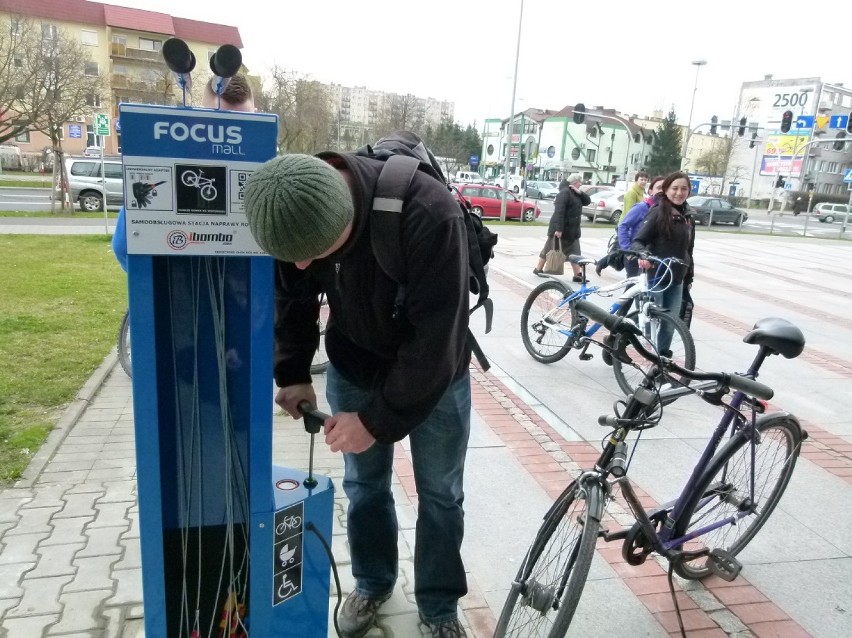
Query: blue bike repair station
x: 232, y: 546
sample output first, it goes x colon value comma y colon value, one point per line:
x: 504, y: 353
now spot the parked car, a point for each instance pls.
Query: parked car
x: 605, y: 205
x: 85, y: 185
x: 485, y: 201
x: 590, y: 190
x: 469, y: 177
x: 92, y: 151
x: 516, y: 182
x: 542, y: 190
x: 826, y: 212
x: 722, y: 211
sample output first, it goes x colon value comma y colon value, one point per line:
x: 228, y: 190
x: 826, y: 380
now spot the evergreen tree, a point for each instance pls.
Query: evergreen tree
x: 666, y: 154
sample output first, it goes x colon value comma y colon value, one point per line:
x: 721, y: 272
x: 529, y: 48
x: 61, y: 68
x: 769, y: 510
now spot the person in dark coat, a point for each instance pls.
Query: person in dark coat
x: 669, y: 231
x: 394, y: 372
x: 565, y: 222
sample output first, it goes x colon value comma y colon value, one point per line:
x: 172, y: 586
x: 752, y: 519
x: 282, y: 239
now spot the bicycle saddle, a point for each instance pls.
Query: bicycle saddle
x: 580, y: 260
x: 779, y: 335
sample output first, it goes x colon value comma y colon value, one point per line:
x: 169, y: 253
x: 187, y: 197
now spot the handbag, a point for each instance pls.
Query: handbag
x: 554, y: 261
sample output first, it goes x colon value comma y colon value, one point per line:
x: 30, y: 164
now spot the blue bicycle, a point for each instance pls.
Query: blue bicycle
x: 729, y: 495
x: 551, y: 326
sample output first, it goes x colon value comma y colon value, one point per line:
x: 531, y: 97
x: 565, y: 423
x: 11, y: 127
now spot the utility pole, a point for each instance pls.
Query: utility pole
x: 511, y: 121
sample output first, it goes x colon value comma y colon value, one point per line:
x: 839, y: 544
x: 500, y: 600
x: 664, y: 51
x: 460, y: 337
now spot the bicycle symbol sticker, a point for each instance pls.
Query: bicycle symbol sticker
x: 287, y: 551
x: 201, y: 189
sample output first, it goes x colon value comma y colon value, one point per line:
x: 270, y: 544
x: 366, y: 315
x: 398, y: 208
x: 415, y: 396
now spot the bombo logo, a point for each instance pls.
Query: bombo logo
x: 177, y: 240
x: 216, y: 133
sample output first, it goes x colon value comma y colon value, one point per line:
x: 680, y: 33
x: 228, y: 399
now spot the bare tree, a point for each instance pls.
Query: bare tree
x: 400, y: 112
x: 718, y: 160
x: 304, y: 108
x: 68, y: 81
x: 21, y: 76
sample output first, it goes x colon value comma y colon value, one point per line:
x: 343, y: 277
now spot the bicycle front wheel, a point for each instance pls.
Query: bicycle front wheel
x: 547, y: 589
x: 124, y: 344
x: 543, y: 316
x: 682, y: 347
x: 726, y: 490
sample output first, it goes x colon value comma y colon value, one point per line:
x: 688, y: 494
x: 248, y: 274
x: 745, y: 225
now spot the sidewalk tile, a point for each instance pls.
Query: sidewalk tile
x: 30, y: 626
x: 77, y: 614
x: 55, y: 560
x: 111, y: 514
x: 93, y: 572
x: 33, y: 521
x: 77, y: 505
x: 10, y: 577
x: 41, y: 596
x: 67, y: 530
x: 21, y: 548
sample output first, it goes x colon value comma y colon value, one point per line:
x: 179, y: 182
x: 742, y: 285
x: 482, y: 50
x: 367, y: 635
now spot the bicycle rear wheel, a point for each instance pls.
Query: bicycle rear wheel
x: 124, y: 344
x: 726, y: 490
x: 320, y: 360
x: 682, y: 350
x: 542, y: 317
x: 547, y: 589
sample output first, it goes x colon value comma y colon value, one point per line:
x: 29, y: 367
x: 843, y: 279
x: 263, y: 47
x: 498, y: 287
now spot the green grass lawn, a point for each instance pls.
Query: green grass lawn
x: 11, y: 182
x: 61, y: 302
x: 68, y: 214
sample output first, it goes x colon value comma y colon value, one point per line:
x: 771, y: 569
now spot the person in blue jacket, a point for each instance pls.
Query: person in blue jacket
x: 630, y: 223
x: 237, y: 96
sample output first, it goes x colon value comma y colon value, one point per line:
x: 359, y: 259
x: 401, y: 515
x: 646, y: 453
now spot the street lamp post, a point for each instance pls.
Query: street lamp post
x: 511, y: 121
x: 698, y: 64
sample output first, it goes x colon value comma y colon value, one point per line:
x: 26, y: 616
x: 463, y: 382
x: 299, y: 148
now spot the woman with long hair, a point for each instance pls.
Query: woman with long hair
x: 669, y: 231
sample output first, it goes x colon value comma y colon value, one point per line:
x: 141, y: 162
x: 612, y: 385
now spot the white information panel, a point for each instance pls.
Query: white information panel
x: 185, y: 172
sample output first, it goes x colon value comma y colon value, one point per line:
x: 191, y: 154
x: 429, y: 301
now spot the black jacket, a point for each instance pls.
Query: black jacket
x: 680, y: 244
x: 408, y: 362
x: 566, y: 214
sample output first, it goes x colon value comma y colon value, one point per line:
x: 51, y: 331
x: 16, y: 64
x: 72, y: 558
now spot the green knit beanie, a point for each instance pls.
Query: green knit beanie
x: 297, y: 206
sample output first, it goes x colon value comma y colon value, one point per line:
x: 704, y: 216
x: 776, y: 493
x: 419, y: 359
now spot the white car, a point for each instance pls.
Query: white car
x: 92, y: 151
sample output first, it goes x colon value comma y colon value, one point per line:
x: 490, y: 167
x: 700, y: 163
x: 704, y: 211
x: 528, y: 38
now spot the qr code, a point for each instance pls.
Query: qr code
x: 241, y: 185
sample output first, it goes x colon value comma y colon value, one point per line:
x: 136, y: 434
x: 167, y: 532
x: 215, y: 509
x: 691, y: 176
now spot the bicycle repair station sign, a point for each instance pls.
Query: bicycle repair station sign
x: 185, y: 172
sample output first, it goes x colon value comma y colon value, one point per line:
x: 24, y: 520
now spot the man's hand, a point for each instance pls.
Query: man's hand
x: 291, y: 396
x: 644, y: 264
x: 558, y: 234
x: 344, y: 432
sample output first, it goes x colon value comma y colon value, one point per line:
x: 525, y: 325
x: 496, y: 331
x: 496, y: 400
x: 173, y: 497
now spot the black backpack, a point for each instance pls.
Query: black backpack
x: 404, y: 153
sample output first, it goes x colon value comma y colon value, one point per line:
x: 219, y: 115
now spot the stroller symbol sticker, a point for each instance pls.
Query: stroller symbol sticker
x: 288, y: 546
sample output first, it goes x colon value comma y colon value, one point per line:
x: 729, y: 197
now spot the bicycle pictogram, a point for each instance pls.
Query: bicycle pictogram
x: 289, y: 522
x: 203, y: 184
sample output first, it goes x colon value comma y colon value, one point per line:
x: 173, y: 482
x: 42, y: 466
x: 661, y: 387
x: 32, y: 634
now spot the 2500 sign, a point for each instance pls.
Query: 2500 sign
x: 790, y: 99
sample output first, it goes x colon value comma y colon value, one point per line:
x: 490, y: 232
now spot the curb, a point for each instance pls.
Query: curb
x: 67, y: 421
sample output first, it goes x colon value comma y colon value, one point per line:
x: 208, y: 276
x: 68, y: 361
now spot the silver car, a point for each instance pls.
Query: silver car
x: 542, y: 190
x: 606, y: 206
x: 86, y: 186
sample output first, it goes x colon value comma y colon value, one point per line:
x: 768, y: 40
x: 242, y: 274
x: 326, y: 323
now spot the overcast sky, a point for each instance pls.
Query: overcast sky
x: 632, y: 56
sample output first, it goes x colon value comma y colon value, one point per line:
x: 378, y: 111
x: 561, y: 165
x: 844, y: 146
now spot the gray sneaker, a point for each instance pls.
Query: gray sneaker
x: 446, y: 629
x: 358, y: 614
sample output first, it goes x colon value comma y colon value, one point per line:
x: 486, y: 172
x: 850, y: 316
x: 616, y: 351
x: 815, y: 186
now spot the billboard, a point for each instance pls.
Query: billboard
x: 784, y: 154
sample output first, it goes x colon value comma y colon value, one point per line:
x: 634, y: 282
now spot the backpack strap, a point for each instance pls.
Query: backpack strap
x: 385, y: 224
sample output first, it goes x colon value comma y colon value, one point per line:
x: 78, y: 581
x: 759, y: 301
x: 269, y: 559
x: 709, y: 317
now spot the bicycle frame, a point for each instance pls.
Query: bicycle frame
x: 621, y: 306
x: 662, y: 541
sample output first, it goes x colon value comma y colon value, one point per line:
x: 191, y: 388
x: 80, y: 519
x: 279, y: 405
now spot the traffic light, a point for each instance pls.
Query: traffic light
x: 849, y: 124
x: 839, y: 144
x: 713, y: 121
x: 786, y: 121
x: 741, y: 129
x: 579, y: 113
x: 753, y: 138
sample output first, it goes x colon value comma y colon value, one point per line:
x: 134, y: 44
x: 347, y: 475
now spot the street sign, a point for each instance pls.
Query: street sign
x: 805, y: 121
x: 839, y: 121
x: 848, y: 176
x: 117, y: 125
x: 474, y: 162
x: 102, y: 124
x: 75, y: 131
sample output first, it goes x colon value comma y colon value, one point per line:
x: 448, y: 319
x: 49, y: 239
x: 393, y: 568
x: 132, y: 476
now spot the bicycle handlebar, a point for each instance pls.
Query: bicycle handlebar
x: 624, y: 326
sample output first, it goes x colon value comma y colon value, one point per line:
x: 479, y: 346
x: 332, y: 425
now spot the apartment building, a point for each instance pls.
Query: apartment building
x: 359, y: 108
x: 124, y: 45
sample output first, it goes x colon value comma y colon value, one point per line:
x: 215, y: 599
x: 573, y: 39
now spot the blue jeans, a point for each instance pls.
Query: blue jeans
x: 438, y: 450
x: 670, y: 299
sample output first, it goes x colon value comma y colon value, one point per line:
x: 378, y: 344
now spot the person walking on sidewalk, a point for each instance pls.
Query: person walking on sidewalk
x: 565, y: 222
x: 392, y: 373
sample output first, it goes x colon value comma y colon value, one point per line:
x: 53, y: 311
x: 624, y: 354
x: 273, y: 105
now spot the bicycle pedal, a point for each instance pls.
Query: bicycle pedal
x: 608, y: 536
x: 585, y: 356
x: 723, y: 564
